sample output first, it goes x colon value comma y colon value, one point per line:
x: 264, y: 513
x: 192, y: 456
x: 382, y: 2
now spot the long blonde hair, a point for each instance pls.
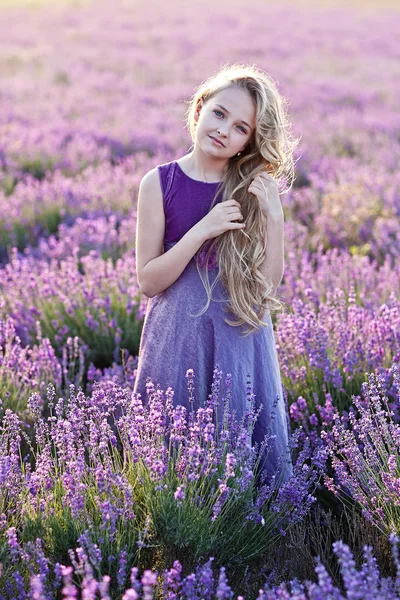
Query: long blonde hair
x: 239, y: 252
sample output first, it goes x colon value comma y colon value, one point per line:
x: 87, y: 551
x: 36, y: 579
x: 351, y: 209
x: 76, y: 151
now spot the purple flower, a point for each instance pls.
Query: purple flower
x: 179, y: 495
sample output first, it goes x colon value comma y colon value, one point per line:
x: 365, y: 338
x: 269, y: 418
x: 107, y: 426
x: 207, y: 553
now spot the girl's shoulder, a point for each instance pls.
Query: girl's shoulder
x: 167, y: 173
x: 165, y: 166
x: 159, y: 173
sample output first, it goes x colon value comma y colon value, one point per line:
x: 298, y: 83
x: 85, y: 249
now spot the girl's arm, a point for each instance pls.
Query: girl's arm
x: 155, y: 270
x: 274, y: 264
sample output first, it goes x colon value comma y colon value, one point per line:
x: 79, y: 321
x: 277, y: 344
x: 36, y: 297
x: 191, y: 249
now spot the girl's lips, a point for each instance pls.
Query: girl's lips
x: 217, y: 141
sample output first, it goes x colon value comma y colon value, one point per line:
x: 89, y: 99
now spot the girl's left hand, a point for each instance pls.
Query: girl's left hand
x: 265, y: 188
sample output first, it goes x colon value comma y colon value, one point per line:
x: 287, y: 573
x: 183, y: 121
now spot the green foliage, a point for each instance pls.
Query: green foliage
x: 101, y: 340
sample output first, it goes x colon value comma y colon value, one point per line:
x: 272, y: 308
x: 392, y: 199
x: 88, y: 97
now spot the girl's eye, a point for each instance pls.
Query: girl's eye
x: 221, y: 113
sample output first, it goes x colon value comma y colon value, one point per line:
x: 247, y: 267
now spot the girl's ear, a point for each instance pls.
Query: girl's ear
x: 198, y: 108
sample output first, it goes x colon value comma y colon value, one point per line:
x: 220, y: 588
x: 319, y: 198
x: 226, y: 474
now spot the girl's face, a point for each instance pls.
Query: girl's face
x: 232, y: 113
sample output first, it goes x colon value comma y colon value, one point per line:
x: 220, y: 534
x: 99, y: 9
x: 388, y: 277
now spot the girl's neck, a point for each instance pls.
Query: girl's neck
x: 204, y: 167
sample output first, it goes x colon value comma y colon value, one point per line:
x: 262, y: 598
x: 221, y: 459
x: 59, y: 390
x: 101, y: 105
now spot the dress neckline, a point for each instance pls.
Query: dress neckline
x: 196, y: 180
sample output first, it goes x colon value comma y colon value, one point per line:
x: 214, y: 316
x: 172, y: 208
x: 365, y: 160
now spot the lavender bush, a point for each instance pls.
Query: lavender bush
x: 106, y: 237
x: 82, y: 579
x: 149, y: 481
x: 101, y: 305
x: 37, y: 207
x: 311, y: 273
x: 24, y: 369
x: 327, y: 346
x: 365, y: 449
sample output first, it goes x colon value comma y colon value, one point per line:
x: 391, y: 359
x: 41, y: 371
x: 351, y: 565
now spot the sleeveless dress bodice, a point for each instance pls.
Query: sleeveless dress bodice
x: 186, y: 201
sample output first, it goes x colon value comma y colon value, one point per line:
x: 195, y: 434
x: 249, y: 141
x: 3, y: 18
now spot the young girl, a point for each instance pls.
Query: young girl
x: 216, y: 212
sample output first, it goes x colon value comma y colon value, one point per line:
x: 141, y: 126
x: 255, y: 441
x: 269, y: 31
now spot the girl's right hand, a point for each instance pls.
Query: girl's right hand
x: 221, y: 218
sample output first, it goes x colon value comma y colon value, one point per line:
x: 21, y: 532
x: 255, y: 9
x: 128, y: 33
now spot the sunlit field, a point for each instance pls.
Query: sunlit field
x: 104, y: 494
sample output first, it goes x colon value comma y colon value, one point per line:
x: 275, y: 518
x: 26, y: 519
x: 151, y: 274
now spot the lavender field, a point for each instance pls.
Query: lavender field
x: 104, y: 494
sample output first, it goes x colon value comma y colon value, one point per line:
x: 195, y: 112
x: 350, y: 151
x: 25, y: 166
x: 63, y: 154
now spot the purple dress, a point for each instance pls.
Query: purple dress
x: 172, y: 341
